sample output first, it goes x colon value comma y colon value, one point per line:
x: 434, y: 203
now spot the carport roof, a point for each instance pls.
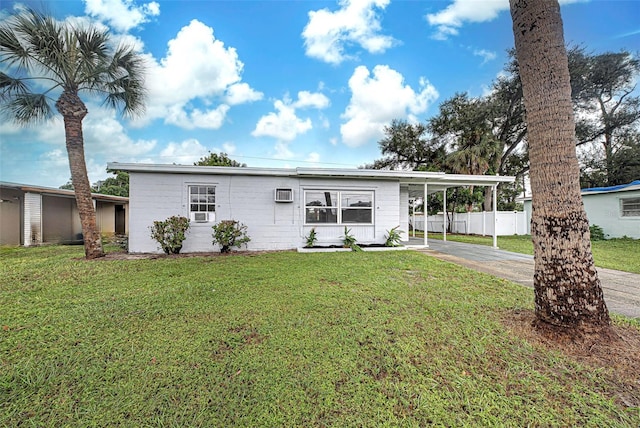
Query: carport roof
x: 59, y: 192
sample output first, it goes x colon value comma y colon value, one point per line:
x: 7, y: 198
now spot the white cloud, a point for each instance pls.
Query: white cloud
x: 282, y: 151
x: 485, y: 55
x: 196, y: 82
x: 356, y: 22
x: 284, y: 124
x: 449, y: 20
x: 378, y: 99
x: 313, y: 157
x: 229, y: 148
x: 122, y: 15
x: 240, y: 93
x: 185, y: 152
x: 196, y: 118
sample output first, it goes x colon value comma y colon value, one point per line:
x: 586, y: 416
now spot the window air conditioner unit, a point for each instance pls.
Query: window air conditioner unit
x: 200, y: 217
x: 284, y: 195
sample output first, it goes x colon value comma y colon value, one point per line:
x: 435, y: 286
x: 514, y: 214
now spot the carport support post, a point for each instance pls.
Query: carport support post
x: 424, y: 215
x: 444, y: 218
x: 495, y: 216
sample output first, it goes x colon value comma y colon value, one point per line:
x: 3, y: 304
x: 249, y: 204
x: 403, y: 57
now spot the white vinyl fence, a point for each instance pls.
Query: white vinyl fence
x: 507, y: 223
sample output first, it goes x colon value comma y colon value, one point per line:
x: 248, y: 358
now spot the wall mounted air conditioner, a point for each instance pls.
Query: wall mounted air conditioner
x: 200, y: 217
x: 284, y: 195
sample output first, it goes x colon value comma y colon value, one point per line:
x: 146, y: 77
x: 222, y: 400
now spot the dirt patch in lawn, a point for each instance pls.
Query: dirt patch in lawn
x: 616, y: 353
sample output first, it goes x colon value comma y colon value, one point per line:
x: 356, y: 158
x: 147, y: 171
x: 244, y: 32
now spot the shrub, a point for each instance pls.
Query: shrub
x: 393, y: 237
x: 312, y: 238
x: 349, y: 241
x: 170, y: 233
x: 597, y: 234
x: 230, y: 233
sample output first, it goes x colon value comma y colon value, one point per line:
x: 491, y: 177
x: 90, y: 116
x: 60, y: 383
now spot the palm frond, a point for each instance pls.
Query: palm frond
x: 126, y: 87
x: 29, y: 108
x: 9, y: 87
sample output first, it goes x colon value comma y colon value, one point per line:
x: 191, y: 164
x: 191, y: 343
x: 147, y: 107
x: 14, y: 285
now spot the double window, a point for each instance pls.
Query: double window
x: 630, y: 207
x: 338, y: 207
x: 202, y: 199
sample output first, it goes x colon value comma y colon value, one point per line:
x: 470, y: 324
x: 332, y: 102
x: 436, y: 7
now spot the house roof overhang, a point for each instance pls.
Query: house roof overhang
x: 435, y: 181
x: 50, y: 191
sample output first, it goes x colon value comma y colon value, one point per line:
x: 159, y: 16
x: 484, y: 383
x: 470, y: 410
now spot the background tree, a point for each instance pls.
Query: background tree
x: 43, y: 58
x: 116, y: 186
x: 218, y: 159
x: 566, y: 284
x: 602, y: 88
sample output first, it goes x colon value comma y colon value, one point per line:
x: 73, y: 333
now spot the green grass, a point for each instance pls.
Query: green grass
x: 278, y: 339
x: 620, y: 254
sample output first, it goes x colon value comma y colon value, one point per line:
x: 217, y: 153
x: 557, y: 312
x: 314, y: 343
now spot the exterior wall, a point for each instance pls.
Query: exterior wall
x: 32, y: 219
x: 605, y: 210
x: 57, y: 217
x: 250, y: 199
x: 106, y: 217
x: 10, y: 209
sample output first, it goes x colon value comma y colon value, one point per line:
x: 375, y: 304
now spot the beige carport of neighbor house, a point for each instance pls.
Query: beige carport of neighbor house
x: 35, y: 215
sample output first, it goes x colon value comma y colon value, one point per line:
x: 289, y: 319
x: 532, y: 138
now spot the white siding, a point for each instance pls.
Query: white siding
x: 250, y: 200
x: 32, y: 219
x: 604, y: 210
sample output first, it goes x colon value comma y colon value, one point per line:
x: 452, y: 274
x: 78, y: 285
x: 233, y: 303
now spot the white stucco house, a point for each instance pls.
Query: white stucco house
x: 279, y: 206
x: 615, y: 209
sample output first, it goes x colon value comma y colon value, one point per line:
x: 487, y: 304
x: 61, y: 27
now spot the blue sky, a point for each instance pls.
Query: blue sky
x: 288, y: 83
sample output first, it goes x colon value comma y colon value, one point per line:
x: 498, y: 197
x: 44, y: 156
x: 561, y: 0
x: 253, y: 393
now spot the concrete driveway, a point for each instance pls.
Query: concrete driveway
x: 621, y: 289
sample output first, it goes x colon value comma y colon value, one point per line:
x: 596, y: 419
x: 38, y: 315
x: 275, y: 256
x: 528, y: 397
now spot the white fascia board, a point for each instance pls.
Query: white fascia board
x: 416, y: 177
x: 195, y: 169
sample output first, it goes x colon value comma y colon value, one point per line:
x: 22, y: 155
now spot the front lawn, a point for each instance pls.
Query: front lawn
x: 282, y: 339
x: 620, y: 254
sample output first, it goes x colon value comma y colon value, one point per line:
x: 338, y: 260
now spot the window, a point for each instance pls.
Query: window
x: 630, y: 207
x: 202, y: 199
x: 338, y: 207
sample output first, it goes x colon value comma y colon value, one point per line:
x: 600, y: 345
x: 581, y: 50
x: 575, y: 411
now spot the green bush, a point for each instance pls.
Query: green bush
x: 393, y: 237
x: 230, y: 233
x: 312, y: 238
x: 170, y: 233
x: 597, y: 234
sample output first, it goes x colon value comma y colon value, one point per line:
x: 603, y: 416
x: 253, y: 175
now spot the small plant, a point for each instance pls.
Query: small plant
x: 349, y: 241
x: 230, y: 233
x: 170, y: 233
x: 597, y: 234
x: 312, y: 238
x: 393, y: 237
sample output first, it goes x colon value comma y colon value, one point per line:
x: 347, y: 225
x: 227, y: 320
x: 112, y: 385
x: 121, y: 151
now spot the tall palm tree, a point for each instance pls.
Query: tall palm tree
x: 567, y: 288
x: 43, y: 59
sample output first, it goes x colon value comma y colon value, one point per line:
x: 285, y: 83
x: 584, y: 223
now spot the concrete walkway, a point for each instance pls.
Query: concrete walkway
x: 621, y: 289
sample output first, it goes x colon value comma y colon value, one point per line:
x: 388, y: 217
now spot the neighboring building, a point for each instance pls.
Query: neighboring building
x: 34, y: 215
x: 615, y: 209
x: 279, y: 206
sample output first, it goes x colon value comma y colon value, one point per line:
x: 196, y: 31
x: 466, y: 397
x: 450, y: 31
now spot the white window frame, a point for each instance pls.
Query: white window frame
x: 630, y: 207
x: 339, y: 207
x: 210, y: 201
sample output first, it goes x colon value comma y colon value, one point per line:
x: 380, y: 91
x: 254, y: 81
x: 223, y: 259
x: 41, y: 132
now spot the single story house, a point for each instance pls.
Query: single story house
x: 279, y: 206
x: 35, y: 215
x: 615, y: 209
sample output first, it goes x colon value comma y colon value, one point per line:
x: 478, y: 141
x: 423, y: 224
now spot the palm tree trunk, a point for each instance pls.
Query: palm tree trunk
x: 73, y: 111
x: 567, y: 287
